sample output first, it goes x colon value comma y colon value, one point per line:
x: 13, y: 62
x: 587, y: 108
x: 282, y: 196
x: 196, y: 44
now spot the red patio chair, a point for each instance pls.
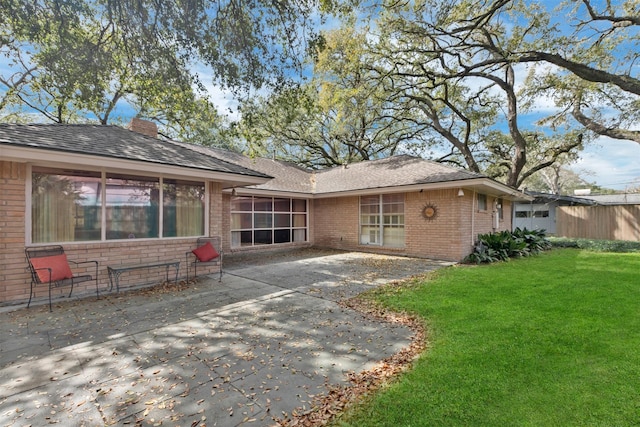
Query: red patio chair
x: 208, y: 251
x: 49, y: 265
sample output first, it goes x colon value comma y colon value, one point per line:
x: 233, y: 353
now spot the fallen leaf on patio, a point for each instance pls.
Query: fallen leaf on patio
x: 326, y: 407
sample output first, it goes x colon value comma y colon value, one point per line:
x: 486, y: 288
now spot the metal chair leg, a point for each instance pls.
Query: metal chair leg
x: 30, y: 295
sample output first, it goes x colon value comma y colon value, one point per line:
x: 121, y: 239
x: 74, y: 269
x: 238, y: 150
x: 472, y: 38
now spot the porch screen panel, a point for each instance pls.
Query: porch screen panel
x: 65, y: 206
x: 241, y: 221
x: 299, y: 218
x: 267, y: 220
x: 282, y: 220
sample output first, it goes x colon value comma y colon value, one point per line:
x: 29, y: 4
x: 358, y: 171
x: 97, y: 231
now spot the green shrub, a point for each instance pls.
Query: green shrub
x: 536, y: 240
x: 503, y: 245
x: 596, y: 245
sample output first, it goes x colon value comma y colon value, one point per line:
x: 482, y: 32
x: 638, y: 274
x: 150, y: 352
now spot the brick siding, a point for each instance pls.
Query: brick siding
x: 333, y: 223
x: 449, y: 236
x: 15, y: 279
x: 12, y: 231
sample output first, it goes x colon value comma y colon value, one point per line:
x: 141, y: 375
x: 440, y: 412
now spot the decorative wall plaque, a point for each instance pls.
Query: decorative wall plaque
x: 429, y: 212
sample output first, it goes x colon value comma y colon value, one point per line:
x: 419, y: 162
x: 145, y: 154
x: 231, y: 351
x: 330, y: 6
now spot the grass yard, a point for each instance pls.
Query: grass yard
x: 550, y: 340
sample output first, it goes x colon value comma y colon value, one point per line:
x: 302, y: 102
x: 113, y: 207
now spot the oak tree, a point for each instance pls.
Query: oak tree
x: 342, y: 115
x: 81, y: 59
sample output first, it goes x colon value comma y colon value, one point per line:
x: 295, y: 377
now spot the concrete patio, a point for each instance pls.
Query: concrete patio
x: 246, y: 351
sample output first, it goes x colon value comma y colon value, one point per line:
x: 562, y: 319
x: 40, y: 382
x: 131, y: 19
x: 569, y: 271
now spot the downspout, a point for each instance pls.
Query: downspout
x: 531, y: 215
x: 473, y: 218
x: 513, y: 214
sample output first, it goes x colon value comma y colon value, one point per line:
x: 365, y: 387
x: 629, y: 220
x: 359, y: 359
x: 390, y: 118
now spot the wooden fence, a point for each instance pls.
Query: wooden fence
x: 613, y: 222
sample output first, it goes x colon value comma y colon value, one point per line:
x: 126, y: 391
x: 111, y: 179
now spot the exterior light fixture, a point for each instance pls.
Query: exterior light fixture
x: 460, y: 192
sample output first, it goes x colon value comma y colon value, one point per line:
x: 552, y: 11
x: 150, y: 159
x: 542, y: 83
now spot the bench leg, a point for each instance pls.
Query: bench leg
x: 96, y: 276
x: 114, y: 276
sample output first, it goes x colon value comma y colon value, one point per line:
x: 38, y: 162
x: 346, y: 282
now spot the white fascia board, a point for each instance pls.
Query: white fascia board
x: 51, y: 158
x: 485, y: 185
x: 494, y: 188
x: 244, y: 191
x: 482, y: 185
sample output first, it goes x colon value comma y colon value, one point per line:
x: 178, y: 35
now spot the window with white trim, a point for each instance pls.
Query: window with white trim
x: 267, y: 220
x: 482, y: 201
x: 76, y: 205
x: 382, y: 220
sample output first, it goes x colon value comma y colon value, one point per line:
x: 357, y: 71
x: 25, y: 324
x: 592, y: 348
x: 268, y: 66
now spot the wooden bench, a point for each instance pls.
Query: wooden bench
x: 116, y: 271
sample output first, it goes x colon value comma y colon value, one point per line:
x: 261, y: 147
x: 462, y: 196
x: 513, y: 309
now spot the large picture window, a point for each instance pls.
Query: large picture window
x: 131, y: 207
x: 65, y: 206
x: 382, y: 220
x: 70, y: 206
x: 183, y: 208
x: 267, y: 220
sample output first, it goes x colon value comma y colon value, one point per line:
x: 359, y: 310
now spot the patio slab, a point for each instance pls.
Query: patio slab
x: 245, y: 351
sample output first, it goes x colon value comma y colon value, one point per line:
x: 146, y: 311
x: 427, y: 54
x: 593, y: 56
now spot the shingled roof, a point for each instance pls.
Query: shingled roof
x: 393, y: 171
x: 273, y: 175
x: 286, y: 176
x: 388, y: 173
x: 402, y: 170
x: 114, y: 142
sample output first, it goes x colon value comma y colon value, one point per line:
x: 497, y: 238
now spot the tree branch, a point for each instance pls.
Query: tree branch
x: 618, y: 21
x: 584, y: 71
x: 594, y: 126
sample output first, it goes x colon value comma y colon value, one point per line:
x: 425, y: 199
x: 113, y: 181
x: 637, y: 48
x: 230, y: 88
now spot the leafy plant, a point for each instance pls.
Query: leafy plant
x: 536, y: 240
x: 482, y: 254
x: 503, y: 245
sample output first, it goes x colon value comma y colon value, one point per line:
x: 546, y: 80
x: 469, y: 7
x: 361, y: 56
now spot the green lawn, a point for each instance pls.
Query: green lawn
x: 550, y: 340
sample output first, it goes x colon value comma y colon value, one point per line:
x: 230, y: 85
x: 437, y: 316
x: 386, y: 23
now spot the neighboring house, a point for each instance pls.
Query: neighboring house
x: 613, y: 199
x: 607, y: 216
x: 540, y: 212
x: 118, y: 196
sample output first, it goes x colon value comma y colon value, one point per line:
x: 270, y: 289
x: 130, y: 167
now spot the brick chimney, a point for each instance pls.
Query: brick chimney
x: 144, y: 127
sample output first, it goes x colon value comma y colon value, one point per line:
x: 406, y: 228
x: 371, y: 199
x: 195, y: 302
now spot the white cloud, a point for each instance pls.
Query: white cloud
x: 614, y: 163
x: 225, y: 102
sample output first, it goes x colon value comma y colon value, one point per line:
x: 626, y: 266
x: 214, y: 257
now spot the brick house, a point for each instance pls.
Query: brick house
x: 117, y: 195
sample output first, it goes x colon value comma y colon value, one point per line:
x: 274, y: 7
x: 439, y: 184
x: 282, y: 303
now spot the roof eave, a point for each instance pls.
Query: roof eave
x: 482, y: 185
x: 494, y: 188
x: 251, y: 191
x: 72, y: 160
